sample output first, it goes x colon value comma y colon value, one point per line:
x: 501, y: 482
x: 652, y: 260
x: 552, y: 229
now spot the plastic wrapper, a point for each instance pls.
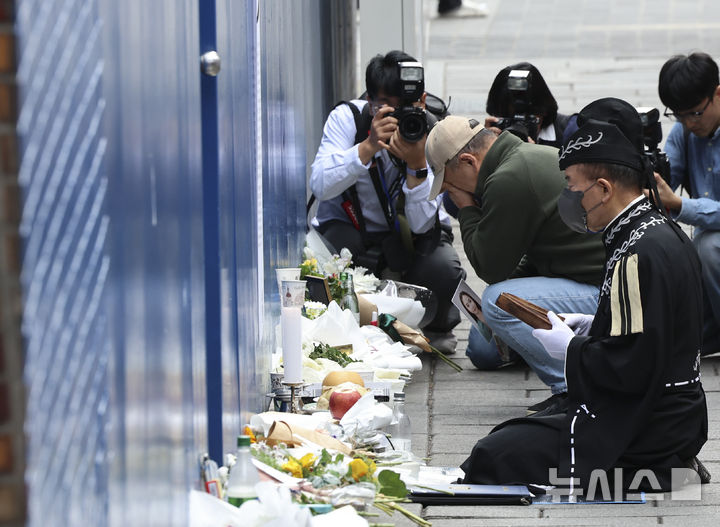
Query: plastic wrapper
x: 323, y: 402
x: 335, y: 327
x: 359, y: 495
x: 366, y: 416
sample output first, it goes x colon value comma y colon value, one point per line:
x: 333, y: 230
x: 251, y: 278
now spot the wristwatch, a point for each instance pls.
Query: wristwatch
x: 420, y: 173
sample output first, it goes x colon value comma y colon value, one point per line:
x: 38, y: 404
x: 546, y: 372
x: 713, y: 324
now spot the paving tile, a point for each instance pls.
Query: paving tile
x: 482, y: 511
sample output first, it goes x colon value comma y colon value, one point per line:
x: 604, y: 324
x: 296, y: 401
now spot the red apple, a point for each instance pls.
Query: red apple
x: 341, y: 400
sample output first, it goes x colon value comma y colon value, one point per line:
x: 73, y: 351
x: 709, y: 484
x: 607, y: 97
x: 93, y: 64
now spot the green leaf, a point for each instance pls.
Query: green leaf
x: 391, y: 484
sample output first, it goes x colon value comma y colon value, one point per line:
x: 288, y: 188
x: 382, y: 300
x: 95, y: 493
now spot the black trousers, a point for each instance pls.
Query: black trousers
x: 440, y: 270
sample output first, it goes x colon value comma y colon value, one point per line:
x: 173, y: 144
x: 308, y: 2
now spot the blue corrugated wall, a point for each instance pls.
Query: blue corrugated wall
x: 116, y: 227
x: 66, y: 268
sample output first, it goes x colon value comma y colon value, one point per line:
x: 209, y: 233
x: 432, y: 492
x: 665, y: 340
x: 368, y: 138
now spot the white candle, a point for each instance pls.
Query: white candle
x: 291, y: 322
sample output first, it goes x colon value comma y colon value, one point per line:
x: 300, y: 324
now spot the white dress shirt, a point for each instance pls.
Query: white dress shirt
x: 337, y: 167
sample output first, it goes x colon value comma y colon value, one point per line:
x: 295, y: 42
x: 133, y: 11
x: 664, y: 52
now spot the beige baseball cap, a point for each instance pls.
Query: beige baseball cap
x: 446, y: 139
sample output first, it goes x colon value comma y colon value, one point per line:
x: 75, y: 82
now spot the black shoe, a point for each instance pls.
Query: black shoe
x: 552, y: 405
x: 698, y: 467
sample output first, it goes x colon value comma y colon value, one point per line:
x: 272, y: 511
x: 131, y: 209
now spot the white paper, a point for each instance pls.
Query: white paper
x: 407, y: 310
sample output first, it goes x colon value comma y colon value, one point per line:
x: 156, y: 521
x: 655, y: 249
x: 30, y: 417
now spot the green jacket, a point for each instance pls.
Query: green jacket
x: 517, y: 230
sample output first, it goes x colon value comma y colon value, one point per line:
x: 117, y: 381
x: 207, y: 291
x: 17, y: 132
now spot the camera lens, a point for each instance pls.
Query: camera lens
x: 412, y: 124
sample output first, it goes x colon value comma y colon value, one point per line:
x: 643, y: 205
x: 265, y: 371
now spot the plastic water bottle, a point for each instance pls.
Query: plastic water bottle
x: 400, y: 432
x: 243, y: 475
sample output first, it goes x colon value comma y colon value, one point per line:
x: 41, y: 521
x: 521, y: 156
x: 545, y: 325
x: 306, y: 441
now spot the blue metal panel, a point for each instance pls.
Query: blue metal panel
x: 147, y: 240
x: 157, y: 301
x: 292, y: 117
x: 241, y: 261
x: 65, y: 268
x: 112, y: 276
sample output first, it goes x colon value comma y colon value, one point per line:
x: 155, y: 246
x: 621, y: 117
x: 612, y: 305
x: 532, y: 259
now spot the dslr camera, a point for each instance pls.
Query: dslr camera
x: 652, y: 135
x: 523, y: 123
x: 412, y: 122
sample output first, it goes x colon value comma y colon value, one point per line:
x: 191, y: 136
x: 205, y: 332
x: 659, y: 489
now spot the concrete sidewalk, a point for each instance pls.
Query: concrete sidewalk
x: 585, y: 50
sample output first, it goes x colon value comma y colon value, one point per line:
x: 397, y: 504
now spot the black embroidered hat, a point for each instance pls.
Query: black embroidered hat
x: 609, y: 131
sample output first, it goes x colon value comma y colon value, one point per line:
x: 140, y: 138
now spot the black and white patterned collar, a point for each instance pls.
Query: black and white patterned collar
x: 635, y: 208
x: 623, y: 246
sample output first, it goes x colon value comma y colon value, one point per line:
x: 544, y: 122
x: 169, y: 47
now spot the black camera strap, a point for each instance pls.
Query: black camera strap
x: 686, y: 175
x: 385, y: 196
x: 392, y: 199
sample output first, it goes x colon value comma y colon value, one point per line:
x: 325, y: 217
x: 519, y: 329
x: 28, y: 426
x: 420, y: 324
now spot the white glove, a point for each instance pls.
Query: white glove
x: 578, y: 322
x: 555, y: 340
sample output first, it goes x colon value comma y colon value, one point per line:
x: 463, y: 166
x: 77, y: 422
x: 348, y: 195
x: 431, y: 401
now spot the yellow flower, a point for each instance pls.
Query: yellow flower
x: 307, y: 460
x: 358, y: 468
x: 248, y: 432
x: 293, y: 467
x: 371, y: 469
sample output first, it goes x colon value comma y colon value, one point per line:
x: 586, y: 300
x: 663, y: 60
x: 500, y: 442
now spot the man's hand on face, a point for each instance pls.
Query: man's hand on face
x: 669, y: 199
x: 382, y: 128
x: 461, y: 198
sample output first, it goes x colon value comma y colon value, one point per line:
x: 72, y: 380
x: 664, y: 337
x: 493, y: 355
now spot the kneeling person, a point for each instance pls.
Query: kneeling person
x: 507, y: 193
x: 373, y: 183
x: 634, y: 391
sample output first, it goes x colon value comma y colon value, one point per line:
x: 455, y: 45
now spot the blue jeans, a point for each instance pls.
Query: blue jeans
x: 707, y: 244
x: 557, y: 294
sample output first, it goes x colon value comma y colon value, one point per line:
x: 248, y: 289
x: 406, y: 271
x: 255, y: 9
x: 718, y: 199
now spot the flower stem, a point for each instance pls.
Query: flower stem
x: 445, y: 359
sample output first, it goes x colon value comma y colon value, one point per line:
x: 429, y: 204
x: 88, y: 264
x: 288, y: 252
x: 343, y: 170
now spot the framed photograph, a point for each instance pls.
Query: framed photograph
x: 318, y: 289
x: 468, y: 302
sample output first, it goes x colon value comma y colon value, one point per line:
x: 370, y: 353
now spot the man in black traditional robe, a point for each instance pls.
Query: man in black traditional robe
x: 636, y: 402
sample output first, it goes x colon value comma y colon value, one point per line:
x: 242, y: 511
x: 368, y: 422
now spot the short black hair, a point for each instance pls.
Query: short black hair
x: 381, y: 74
x: 500, y: 102
x: 685, y: 80
x: 624, y: 176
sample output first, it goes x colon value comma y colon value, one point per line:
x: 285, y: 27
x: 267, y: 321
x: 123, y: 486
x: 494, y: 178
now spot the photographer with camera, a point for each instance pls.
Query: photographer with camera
x: 520, y: 101
x: 507, y: 192
x: 372, y: 180
x: 690, y: 88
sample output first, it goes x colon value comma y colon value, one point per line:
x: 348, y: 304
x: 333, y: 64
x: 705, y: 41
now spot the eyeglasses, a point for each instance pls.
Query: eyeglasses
x: 687, y: 116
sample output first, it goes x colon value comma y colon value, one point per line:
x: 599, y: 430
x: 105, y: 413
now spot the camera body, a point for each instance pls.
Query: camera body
x: 652, y: 135
x: 522, y: 123
x: 412, y: 122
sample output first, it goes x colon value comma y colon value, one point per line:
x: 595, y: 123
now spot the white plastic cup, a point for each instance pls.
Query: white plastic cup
x: 287, y: 273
